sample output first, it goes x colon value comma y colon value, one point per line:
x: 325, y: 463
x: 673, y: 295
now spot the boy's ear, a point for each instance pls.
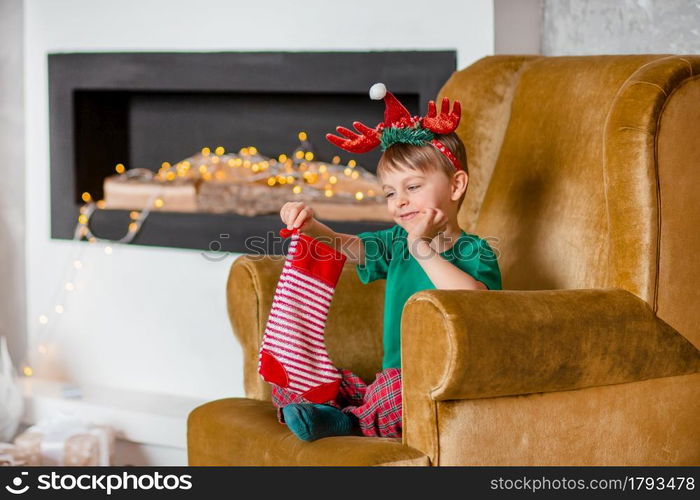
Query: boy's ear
x: 460, y: 180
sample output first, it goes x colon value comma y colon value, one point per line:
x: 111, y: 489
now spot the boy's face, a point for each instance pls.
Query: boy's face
x: 409, y: 191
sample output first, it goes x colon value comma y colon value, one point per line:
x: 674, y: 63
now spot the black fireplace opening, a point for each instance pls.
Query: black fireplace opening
x: 143, y: 109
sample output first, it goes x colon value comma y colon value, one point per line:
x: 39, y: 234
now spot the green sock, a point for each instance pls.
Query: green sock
x: 314, y: 421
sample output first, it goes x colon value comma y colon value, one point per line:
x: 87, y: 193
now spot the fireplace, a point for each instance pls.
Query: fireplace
x: 141, y: 109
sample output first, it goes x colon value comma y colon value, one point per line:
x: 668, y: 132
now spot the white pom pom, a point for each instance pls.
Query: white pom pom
x: 377, y: 91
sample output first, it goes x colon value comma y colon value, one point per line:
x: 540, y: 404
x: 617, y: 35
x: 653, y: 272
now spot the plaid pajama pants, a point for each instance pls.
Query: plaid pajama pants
x: 376, y: 407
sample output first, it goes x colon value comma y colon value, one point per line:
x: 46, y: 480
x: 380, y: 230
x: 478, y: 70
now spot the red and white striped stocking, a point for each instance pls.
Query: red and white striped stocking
x: 293, y: 352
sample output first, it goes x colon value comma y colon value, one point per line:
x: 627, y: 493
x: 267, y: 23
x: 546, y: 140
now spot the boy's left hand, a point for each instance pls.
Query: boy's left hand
x: 426, y: 225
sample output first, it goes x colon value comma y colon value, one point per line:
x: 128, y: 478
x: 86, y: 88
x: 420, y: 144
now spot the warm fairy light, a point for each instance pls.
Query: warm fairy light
x: 77, y: 264
x: 322, y: 168
x: 231, y: 163
x: 282, y: 158
x: 220, y: 150
x: 83, y: 219
x: 42, y: 349
x: 255, y: 167
x: 165, y: 164
x: 281, y: 179
x: 302, y: 136
x: 108, y: 250
x: 335, y: 160
x: 101, y: 204
x: 120, y: 168
x: 158, y: 203
x: 309, y: 156
x: 333, y: 179
x: 86, y: 197
x: 27, y: 370
x: 271, y: 181
x: 352, y: 163
x: 170, y: 176
x: 202, y: 169
x: 133, y: 227
x: 43, y: 319
x: 70, y: 286
x: 290, y: 179
x: 355, y: 174
x: 59, y: 309
x: 238, y: 162
x: 328, y: 193
x: 299, y: 155
x: 347, y: 171
x: 215, y: 160
x: 206, y: 151
x: 359, y: 195
x: 206, y: 176
x: 296, y: 189
x: 252, y: 150
x: 134, y: 214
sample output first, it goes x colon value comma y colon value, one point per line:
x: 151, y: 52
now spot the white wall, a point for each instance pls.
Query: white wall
x: 12, y: 279
x: 151, y: 318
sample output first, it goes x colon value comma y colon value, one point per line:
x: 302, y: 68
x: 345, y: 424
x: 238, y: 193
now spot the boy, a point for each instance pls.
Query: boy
x: 424, y: 177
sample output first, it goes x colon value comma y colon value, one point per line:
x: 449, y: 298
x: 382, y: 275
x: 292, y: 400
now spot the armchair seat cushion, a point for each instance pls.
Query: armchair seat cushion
x: 239, y: 431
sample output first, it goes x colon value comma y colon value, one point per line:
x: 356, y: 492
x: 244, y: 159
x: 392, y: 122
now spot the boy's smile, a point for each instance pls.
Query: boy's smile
x: 407, y: 192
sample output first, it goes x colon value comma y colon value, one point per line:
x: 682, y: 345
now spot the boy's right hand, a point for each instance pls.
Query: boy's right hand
x: 297, y: 215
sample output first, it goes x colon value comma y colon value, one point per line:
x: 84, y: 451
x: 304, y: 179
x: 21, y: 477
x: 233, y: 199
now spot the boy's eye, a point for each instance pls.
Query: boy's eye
x: 388, y: 195
x: 413, y: 186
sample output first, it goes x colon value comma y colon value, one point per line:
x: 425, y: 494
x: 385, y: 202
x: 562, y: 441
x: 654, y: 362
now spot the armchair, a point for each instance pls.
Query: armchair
x: 583, y: 175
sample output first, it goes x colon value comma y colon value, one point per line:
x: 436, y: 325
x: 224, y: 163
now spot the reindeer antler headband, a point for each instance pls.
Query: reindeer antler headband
x: 400, y: 126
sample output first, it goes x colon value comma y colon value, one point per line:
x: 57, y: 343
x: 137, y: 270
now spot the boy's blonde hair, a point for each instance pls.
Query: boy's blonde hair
x: 425, y: 158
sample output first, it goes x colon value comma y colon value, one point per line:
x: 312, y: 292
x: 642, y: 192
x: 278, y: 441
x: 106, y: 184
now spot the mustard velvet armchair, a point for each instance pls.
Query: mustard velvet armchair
x: 584, y: 174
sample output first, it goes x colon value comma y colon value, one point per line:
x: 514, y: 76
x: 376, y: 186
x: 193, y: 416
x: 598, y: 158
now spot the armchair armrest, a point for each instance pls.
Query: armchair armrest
x: 353, y: 332
x: 462, y: 344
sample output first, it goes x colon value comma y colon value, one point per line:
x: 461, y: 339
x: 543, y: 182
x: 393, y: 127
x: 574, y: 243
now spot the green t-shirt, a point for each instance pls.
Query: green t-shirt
x: 387, y: 257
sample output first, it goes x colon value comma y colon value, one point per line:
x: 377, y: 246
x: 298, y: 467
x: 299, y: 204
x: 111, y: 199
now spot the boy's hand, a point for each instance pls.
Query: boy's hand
x: 296, y: 215
x: 426, y: 224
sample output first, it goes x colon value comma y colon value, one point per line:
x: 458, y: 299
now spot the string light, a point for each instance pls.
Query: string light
x: 293, y: 171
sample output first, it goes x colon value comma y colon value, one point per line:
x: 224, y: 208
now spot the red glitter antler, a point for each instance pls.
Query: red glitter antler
x: 446, y: 121
x: 355, y: 143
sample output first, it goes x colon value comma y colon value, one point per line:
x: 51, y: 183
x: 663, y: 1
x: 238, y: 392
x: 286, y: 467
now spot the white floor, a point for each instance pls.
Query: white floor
x: 151, y: 429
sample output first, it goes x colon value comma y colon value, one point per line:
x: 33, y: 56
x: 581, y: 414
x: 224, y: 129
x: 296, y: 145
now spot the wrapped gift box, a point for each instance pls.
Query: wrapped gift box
x: 10, y: 455
x: 66, y: 440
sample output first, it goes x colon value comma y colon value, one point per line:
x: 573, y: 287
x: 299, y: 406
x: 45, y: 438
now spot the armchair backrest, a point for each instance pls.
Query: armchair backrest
x: 584, y: 173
